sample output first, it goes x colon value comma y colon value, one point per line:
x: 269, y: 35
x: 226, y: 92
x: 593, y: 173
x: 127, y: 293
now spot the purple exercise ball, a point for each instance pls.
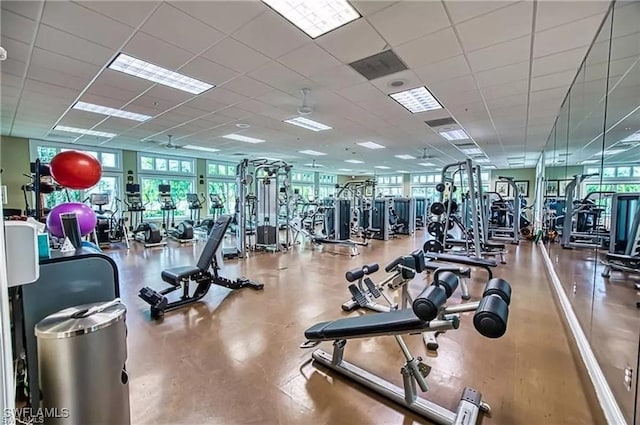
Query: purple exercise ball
x: 87, y: 219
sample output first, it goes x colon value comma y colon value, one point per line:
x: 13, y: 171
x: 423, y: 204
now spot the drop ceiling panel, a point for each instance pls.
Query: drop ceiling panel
x: 146, y: 47
x: 405, y: 21
x: 16, y: 50
x: 502, y: 54
x: 46, y: 59
x: 28, y: 9
x: 188, y: 33
x: 551, y: 81
x: 563, y: 61
x: 13, y: 68
x: 166, y: 97
x: 17, y: 27
x: 338, y: 77
x: 354, y: 41
x: 509, y: 89
x: 268, y: 35
x: 57, y: 78
x: 566, y: 37
x: 360, y: 93
x: 236, y: 55
x: 276, y: 75
x: 226, y: 16
x: 81, y: 119
x: 133, y: 15
x: 555, y: 13
x: 504, y: 74
x: 207, y: 71
x: 444, y: 70
x: 464, y: 10
x: 309, y: 60
x: 66, y: 44
x: 496, y: 27
x: 111, y: 98
x: 247, y: 86
x: 409, y: 78
x: 85, y: 23
x: 429, y: 49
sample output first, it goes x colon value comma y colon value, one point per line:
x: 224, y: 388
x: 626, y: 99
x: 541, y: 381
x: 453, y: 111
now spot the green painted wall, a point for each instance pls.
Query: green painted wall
x: 130, y: 163
x: 14, y: 160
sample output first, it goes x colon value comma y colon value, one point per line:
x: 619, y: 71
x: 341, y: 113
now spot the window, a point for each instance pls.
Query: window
x: 179, y: 190
x: 328, y: 179
x: 221, y: 169
x: 108, y: 184
x: 636, y: 171
x: 303, y: 177
x: 623, y: 172
x: 608, y: 172
x: 326, y: 191
x: 109, y: 159
x: 593, y: 171
x: 157, y: 164
x: 225, y: 190
x: 306, y: 191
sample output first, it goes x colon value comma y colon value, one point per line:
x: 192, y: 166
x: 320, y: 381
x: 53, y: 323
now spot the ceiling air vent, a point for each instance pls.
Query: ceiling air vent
x: 464, y: 145
x: 441, y: 122
x: 379, y: 65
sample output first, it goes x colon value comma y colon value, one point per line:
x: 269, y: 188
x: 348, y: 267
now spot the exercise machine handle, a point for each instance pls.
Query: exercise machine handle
x: 359, y: 273
x: 392, y: 265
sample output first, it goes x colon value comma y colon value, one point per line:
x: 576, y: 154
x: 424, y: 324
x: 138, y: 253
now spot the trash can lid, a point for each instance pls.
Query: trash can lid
x: 80, y: 320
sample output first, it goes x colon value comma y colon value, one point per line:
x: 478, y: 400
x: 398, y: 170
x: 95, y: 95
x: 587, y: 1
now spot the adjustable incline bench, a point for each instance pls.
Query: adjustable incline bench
x: 428, y: 313
x: 486, y: 265
x: 204, y: 274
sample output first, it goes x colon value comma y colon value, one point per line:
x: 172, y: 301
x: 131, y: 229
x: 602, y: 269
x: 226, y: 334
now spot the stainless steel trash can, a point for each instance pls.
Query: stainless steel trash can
x: 81, y: 359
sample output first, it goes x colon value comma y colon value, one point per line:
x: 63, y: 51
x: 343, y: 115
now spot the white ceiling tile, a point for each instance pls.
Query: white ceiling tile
x: 169, y: 94
x: 54, y: 94
x: 111, y: 78
x: 16, y: 50
x: 17, y: 27
x: 28, y: 9
x: 500, y: 55
x: 507, y: 101
x: 217, y: 96
x: 85, y: 23
x: 443, y: 89
x: 112, y: 97
x: 150, y: 49
x: 360, y: 93
x: 338, y: 77
x: 555, y: 13
x: 66, y: 44
x: 354, y: 41
x: 193, y: 36
x: 81, y: 119
x: 505, y: 24
x: 236, y: 55
x: 226, y: 16
x: 370, y: 7
x: 208, y: 71
x: 276, y: 75
x: 444, y: 70
x: 405, y: 21
x: 429, y: 49
x: 504, y: 74
x: 133, y: 15
x: 247, y: 86
x: 271, y: 35
x: 47, y: 75
x: 563, y: 61
x: 566, y: 37
x: 280, y: 100
x: 508, y: 89
x: 461, y: 10
x: 309, y: 59
x: 556, y: 80
x: 626, y: 19
x: 46, y: 59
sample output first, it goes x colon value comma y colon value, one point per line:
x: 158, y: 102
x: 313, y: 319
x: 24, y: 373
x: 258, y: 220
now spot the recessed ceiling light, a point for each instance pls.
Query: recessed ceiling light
x: 402, y: 171
x: 148, y: 71
x: 200, y: 148
x: 308, y: 124
x: 241, y: 138
x: 417, y: 100
x: 315, y: 17
x: 405, y: 156
x: 105, y: 110
x: 491, y: 167
x: 454, y: 135
x: 635, y: 137
x: 354, y: 161
x: 613, y: 151
x: 242, y: 125
x: 314, y: 165
x: 311, y: 152
x: 472, y: 151
x: 345, y: 169
x: 427, y: 164
x: 83, y: 131
x: 481, y: 160
x: 382, y: 167
x: 590, y: 161
x: 370, y: 145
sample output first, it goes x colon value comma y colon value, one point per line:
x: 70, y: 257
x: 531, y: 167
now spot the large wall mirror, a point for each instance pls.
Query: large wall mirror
x: 591, y: 201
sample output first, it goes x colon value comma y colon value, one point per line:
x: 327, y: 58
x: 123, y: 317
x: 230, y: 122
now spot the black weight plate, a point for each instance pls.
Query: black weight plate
x: 451, y: 224
x: 440, y: 187
x: 454, y: 188
x: 435, y: 229
x: 437, y: 208
x: 433, y: 246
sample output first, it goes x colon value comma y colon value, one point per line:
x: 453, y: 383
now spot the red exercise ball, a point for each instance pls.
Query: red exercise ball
x: 75, y: 170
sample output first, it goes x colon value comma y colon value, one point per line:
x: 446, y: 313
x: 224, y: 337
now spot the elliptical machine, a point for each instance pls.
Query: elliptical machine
x: 147, y: 234
x: 110, y: 228
x: 182, y: 233
x: 195, y: 204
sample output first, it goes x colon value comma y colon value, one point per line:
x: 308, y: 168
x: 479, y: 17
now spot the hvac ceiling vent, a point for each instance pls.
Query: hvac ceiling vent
x: 379, y: 65
x: 464, y: 145
x: 441, y: 122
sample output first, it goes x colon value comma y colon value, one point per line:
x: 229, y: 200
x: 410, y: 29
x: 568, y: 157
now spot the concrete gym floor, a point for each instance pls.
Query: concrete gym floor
x: 238, y: 361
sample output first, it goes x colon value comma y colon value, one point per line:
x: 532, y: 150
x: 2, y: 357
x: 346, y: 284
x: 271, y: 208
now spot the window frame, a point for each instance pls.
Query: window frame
x: 167, y: 158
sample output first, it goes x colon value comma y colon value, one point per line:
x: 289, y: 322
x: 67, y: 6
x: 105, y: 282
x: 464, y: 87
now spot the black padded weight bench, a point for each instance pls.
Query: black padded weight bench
x: 204, y: 273
x: 428, y: 313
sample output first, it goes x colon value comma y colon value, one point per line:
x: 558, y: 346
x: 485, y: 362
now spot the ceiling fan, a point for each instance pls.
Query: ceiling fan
x: 168, y: 145
x: 425, y: 155
x: 305, y: 109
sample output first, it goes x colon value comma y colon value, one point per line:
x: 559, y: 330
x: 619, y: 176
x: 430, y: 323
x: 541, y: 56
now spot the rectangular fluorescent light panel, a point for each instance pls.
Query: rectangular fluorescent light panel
x: 313, y: 165
x: 427, y: 164
x: 472, y: 151
x: 241, y: 138
x: 200, y: 148
x: 490, y: 167
x: 454, y: 135
x: 345, y: 169
x: 405, y: 156
x: 105, y: 110
x: 590, y: 161
x: 370, y: 145
x: 635, y: 137
x: 308, y: 124
x: 83, y: 131
x: 481, y: 160
x: 402, y: 171
x: 417, y: 100
x: 315, y: 17
x: 310, y: 152
x: 148, y: 71
x: 354, y: 161
x: 382, y: 167
x: 613, y: 151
